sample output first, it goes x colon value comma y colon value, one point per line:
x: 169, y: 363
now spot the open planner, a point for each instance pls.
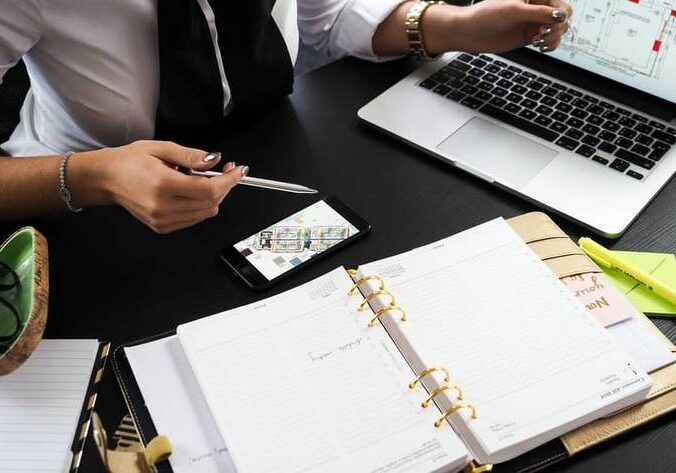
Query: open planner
x: 467, y: 350
x: 46, y: 406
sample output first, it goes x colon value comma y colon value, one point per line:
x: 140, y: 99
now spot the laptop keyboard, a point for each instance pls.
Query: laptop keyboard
x: 623, y: 141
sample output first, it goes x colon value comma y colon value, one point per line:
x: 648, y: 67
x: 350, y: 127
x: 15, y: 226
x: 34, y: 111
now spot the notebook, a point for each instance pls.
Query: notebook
x: 301, y: 381
x: 46, y: 406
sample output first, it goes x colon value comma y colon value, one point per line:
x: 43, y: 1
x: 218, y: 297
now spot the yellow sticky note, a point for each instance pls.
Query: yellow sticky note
x: 660, y: 265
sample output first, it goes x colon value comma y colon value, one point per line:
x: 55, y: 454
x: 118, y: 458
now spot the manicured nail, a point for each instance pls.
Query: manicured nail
x: 545, y: 31
x: 559, y: 15
x: 230, y: 166
x: 214, y: 155
x: 244, y: 171
x: 538, y: 42
x: 544, y: 49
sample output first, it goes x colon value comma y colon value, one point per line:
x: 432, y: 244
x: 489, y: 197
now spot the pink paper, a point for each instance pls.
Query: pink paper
x: 598, y: 294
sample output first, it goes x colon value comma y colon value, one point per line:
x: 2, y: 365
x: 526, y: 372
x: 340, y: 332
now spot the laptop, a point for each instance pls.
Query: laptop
x: 560, y: 129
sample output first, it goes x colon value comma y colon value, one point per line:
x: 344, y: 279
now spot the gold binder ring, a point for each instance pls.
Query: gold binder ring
x: 367, y: 300
x: 441, y: 389
x: 414, y: 383
x: 361, y: 281
x: 454, y: 408
x: 384, y: 310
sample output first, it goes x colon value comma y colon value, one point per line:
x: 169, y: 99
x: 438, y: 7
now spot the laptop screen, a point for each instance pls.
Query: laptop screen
x: 629, y: 41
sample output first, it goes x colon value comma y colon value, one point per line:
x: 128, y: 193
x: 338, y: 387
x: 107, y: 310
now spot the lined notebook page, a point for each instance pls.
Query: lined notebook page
x: 40, y: 405
x: 531, y: 359
x: 298, y: 382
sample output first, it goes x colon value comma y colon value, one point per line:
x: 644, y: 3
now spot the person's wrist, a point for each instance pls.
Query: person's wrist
x: 89, y: 179
x: 439, y: 25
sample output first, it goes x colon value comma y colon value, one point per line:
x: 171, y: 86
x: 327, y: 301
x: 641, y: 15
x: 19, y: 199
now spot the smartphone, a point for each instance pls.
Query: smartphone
x: 273, y: 253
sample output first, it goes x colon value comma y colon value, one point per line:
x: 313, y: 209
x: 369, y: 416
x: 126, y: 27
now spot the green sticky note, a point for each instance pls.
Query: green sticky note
x: 660, y: 265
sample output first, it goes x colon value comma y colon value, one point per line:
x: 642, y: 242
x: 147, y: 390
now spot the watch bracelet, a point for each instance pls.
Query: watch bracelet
x: 414, y: 35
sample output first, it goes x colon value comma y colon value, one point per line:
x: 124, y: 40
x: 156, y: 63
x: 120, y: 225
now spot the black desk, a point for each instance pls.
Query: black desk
x: 113, y: 279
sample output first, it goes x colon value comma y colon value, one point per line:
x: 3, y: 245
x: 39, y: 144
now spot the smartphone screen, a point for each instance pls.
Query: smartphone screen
x: 286, y: 245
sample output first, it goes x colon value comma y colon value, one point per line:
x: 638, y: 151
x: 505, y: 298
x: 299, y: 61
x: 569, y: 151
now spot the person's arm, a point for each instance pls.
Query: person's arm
x: 137, y: 176
x: 488, y: 26
x: 374, y: 29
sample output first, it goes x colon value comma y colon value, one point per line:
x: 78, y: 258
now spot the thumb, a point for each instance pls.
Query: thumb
x: 543, y: 14
x: 230, y: 177
x: 178, y: 155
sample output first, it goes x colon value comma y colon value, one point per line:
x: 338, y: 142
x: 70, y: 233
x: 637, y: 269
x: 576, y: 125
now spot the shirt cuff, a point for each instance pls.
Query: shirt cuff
x: 358, y: 23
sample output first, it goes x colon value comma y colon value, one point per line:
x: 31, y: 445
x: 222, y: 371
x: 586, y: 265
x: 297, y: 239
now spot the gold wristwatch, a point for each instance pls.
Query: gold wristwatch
x: 416, y: 42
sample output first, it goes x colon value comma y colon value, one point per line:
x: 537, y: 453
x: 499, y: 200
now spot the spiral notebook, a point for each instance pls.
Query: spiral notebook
x: 469, y: 349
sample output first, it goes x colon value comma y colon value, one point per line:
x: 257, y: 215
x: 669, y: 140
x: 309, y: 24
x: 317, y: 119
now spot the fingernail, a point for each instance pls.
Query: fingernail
x: 545, y: 31
x: 538, y: 42
x: 213, y: 155
x: 230, y: 166
x: 244, y: 171
x: 559, y: 15
x: 544, y: 49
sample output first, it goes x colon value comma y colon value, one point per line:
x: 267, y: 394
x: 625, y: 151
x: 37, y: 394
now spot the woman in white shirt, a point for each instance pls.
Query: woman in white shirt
x: 94, y: 72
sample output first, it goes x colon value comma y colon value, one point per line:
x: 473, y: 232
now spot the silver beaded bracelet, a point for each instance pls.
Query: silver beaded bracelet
x: 65, y: 194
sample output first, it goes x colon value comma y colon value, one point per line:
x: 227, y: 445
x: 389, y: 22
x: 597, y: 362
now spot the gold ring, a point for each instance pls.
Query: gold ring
x: 355, y: 288
x: 439, y: 390
x: 454, y: 408
x: 447, y: 375
x: 367, y: 300
x: 384, y: 310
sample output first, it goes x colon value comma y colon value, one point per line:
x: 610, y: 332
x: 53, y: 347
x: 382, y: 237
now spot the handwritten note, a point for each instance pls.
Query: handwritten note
x: 598, y: 295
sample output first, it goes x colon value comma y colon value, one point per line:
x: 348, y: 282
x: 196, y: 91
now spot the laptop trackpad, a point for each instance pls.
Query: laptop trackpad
x: 507, y: 157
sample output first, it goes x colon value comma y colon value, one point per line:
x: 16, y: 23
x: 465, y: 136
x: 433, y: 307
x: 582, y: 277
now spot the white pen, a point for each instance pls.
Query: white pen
x: 255, y: 182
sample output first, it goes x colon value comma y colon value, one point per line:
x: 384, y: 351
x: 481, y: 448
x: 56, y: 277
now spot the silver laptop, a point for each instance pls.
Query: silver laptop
x: 567, y: 148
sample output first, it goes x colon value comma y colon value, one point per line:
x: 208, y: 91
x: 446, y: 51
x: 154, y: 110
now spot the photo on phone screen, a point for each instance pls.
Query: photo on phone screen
x: 286, y: 245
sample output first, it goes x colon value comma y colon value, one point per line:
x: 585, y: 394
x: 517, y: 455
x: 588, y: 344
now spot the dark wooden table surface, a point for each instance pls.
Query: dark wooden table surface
x: 112, y: 278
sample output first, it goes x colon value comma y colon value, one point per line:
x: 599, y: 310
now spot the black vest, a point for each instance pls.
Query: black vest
x: 255, y: 58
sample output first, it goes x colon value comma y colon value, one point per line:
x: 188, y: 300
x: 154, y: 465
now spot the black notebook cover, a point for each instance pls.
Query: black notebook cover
x: 133, y: 397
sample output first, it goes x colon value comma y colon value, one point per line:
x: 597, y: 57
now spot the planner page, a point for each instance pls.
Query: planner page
x: 160, y: 367
x: 524, y: 353
x: 299, y: 382
x: 40, y: 406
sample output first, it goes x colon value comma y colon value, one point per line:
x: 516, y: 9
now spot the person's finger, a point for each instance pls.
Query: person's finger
x: 187, y: 221
x: 542, y: 14
x: 174, y: 183
x: 548, y: 35
x: 561, y: 5
x: 224, y: 183
x: 178, y: 155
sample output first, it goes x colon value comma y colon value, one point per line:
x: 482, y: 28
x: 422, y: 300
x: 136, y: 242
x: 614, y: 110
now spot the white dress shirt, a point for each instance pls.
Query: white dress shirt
x: 94, y: 66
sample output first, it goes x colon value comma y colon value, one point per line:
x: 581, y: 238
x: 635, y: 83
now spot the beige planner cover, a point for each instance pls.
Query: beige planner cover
x: 565, y: 258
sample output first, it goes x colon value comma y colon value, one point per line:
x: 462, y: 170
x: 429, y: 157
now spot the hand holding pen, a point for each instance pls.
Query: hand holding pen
x: 248, y: 180
x: 142, y: 177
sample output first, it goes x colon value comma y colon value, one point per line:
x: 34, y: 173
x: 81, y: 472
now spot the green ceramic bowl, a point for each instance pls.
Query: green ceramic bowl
x: 26, y: 253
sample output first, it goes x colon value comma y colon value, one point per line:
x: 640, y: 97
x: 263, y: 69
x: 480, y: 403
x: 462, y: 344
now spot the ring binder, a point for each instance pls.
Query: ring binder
x: 384, y: 310
x: 362, y: 280
x: 447, y: 375
x: 367, y: 300
x: 454, y: 408
x: 441, y: 389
